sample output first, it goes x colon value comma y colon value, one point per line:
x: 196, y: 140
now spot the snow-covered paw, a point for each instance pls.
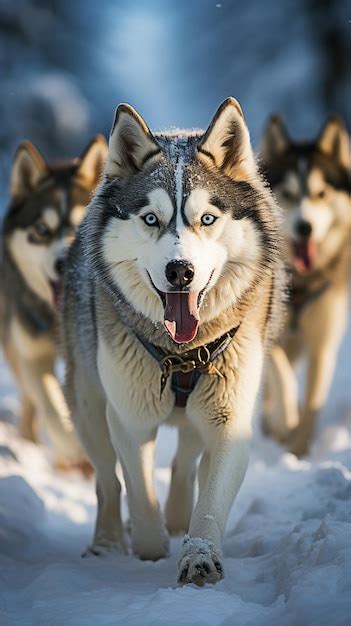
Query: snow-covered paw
x: 200, y: 562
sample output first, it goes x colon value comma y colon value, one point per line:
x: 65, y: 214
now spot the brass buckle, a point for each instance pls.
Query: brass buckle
x: 171, y: 364
x: 174, y: 363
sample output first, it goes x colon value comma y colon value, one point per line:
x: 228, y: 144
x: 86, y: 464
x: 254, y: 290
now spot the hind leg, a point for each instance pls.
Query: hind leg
x: 181, y: 496
x: 88, y: 410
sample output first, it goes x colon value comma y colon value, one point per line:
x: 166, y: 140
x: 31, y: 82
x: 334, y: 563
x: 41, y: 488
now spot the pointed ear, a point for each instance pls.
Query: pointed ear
x: 275, y: 139
x: 334, y: 141
x: 28, y: 169
x: 131, y: 143
x: 92, y: 161
x: 227, y: 141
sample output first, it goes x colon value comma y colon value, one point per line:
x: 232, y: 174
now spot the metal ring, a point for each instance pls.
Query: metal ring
x: 207, y: 354
x: 170, y: 359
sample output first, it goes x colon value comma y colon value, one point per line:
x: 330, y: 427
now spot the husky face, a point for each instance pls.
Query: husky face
x: 311, y: 181
x: 180, y: 219
x: 47, y: 204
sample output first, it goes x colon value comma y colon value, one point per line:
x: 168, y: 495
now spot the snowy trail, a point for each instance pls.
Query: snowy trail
x: 287, y: 546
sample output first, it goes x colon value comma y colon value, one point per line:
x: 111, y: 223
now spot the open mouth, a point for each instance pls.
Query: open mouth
x: 56, y: 287
x: 304, y: 253
x: 181, y: 312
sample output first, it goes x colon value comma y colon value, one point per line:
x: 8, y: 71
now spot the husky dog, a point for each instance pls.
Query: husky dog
x: 47, y: 202
x: 311, y: 181
x: 172, y: 290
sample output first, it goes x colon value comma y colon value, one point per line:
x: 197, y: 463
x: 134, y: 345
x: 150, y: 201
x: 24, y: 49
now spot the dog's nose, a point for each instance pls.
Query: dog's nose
x: 303, y: 228
x: 179, y: 273
x: 59, y: 266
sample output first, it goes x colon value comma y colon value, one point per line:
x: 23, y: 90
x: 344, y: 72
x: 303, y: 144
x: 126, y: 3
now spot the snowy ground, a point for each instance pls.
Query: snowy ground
x: 287, y: 546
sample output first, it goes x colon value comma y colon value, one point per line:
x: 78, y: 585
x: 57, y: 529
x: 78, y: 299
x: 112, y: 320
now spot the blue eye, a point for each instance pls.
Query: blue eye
x: 150, y: 219
x: 208, y: 219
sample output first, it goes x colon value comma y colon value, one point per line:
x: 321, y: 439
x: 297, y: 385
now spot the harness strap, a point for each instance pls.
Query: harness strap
x: 183, y: 384
x: 186, y: 369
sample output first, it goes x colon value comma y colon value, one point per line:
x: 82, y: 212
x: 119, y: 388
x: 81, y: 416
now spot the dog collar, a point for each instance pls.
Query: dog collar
x: 186, y: 369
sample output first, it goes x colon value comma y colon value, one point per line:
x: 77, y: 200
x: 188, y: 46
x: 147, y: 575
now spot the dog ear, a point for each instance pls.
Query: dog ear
x: 334, y: 141
x: 227, y: 142
x: 28, y: 169
x: 275, y: 139
x: 131, y: 143
x: 92, y: 161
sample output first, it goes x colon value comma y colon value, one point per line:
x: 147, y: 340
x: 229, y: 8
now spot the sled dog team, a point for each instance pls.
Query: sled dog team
x: 169, y: 297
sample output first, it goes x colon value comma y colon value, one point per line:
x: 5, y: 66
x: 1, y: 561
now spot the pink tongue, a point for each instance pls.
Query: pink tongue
x: 304, y: 256
x: 182, y: 316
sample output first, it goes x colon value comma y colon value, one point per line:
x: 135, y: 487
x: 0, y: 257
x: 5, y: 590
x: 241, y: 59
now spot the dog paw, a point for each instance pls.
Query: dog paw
x: 83, y: 466
x: 151, y: 548
x: 299, y: 446
x: 200, y: 563
x: 299, y: 442
x: 281, y: 434
x: 104, y: 548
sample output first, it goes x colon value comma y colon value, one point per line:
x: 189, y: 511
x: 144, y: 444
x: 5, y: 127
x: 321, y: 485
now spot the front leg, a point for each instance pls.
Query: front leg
x: 180, y: 501
x: 45, y: 394
x: 227, y: 434
x: 228, y: 452
x: 323, y: 326
x: 280, y: 400
x: 135, y: 447
x: 321, y: 367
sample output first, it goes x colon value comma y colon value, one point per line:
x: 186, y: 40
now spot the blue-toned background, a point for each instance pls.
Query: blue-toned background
x: 66, y: 64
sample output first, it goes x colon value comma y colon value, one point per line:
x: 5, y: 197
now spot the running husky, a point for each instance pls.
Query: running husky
x: 47, y: 203
x: 311, y: 181
x: 172, y: 290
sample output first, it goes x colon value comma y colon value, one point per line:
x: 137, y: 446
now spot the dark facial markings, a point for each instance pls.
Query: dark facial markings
x: 41, y: 233
x: 218, y: 203
x: 333, y: 172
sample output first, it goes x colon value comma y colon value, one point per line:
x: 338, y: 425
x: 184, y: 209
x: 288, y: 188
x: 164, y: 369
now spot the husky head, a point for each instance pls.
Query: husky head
x: 47, y: 203
x: 179, y: 220
x: 311, y: 181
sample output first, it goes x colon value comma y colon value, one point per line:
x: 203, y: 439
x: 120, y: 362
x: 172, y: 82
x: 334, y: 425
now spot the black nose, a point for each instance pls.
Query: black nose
x: 59, y: 266
x: 303, y: 228
x: 179, y: 273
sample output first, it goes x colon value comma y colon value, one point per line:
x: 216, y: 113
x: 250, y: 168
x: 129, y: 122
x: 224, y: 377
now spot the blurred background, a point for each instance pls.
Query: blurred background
x: 66, y: 64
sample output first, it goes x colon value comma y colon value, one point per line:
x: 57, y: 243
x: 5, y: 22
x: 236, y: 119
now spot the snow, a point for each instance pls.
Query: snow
x: 287, y: 546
